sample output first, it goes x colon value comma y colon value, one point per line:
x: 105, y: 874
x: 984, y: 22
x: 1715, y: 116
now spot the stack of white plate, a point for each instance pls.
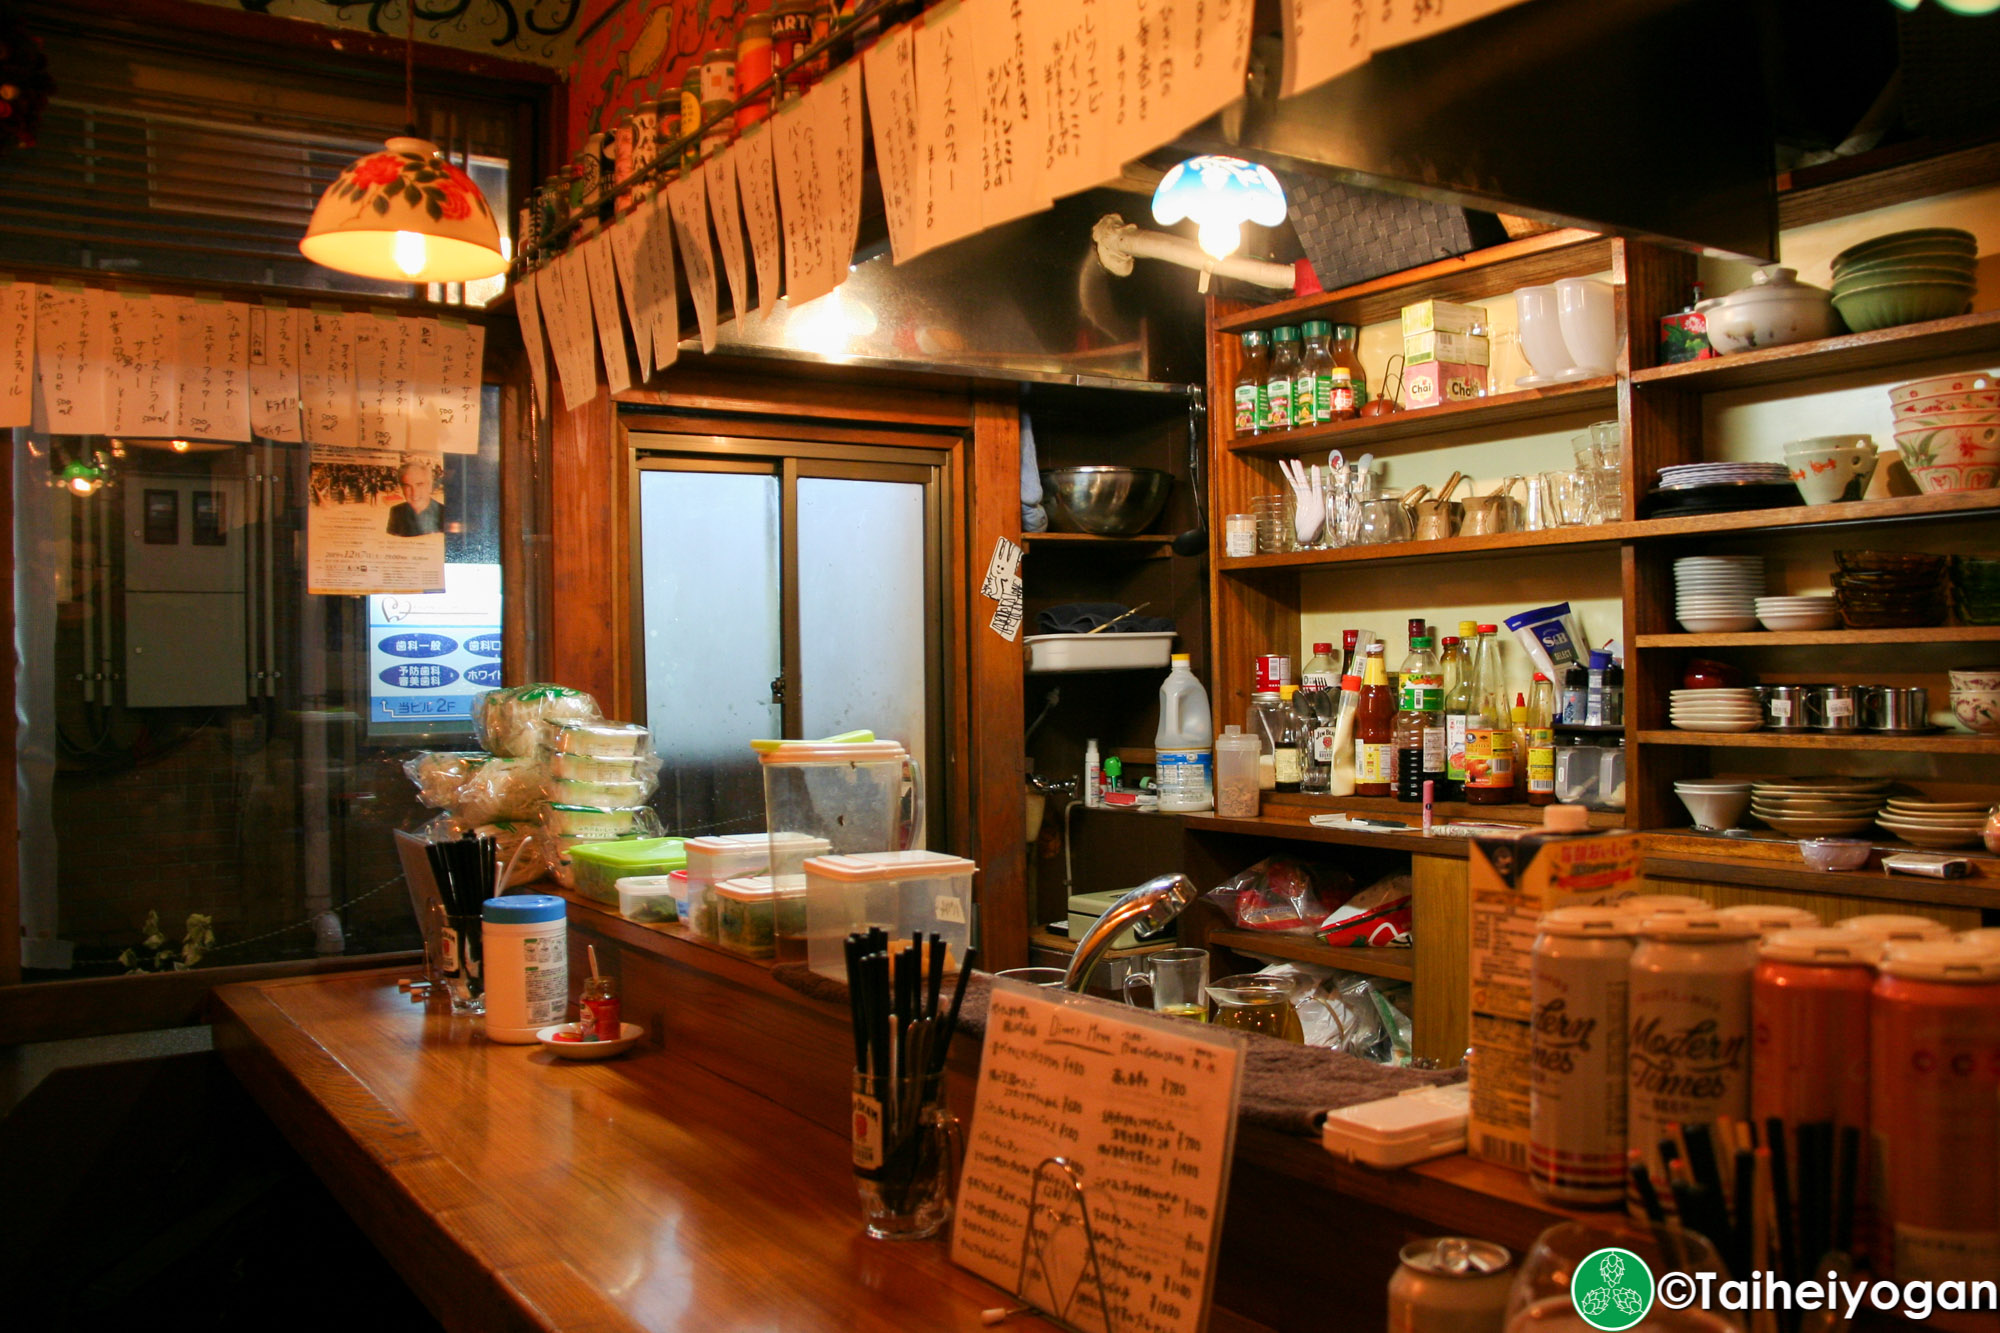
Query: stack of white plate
x: 1934, y: 823
x: 1781, y: 613
x: 1717, y: 594
x: 1819, y: 807
x: 1722, y: 709
x: 1681, y: 476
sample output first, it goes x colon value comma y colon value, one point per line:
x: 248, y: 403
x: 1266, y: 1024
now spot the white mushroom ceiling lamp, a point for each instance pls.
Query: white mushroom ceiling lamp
x: 1219, y: 194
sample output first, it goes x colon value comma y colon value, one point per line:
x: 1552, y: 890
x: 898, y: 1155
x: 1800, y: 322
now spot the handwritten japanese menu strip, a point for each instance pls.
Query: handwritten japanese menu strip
x: 142, y: 338
x: 805, y: 199
x: 1070, y: 38
x: 461, y: 377
x: 626, y: 234
x: 659, y: 291
x: 212, y: 379
x: 1394, y: 22
x: 687, y: 198
x: 326, y: 378
x: 948, y: 140
x: 528, y: 314
x: 565, y: 304
x: 890, y: 67
x: 375, y: 371
x: 71, y: 378
x: 728, y: 215
x: 756, y: 178
x: 602, y: 274
x: 1010, y: 112
x: 274, y: 372
x: 17, y: 353
x: 1146, y: 1108
x: 1323, y: 40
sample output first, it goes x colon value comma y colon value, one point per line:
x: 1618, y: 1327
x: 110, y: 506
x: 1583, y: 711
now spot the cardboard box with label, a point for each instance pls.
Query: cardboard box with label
x: 1426, y: 316
x: 1438, y: 382
x: 1512, y: 879
x: 1470, y: 349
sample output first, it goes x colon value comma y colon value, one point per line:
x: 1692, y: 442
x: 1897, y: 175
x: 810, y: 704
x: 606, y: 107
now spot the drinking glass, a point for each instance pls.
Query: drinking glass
x: 905, y: 1140
x: 1176, y: 977
x: 1607, y: 493
x: 1274, y: 513
x: 461, y: 959
x: 1541, y: 1300
x: 1576, y: 496
x: 1049, y: 978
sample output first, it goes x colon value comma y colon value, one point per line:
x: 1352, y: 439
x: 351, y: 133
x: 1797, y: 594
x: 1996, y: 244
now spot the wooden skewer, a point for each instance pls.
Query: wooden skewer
x: 1115, y: 619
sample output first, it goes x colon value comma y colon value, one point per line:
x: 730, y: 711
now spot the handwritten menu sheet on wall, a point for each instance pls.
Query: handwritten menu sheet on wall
x: 274, y: 372
x: 659, y: 295
x: 687, y: 200
x: 890, y: 70
x: 17, y: 352
x: 601, y: 272
x: 756, y: 178
x: 1146, y: 1109
x: 626, y: 234
x: 723, y: 206
x: 528, y: 314
x: 1326, y: 38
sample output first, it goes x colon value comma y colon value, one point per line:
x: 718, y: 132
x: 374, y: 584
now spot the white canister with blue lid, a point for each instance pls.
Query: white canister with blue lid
x: 525, y: 937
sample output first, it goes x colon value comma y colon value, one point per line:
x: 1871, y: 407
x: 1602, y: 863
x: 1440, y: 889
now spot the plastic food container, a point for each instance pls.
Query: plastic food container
x: 589, y: 822
x: 595, y: 868
x: 1413, y: 1126
x: 902, y: 892
x: 648, y: 898
x: 1592, y: 776
x: 736, y: 855
x: 853, y: 795
x: 600, y: 795
x: 1109, y: 651
x: 602, y: 739
x: 745, y: 915
x: 597, y: 768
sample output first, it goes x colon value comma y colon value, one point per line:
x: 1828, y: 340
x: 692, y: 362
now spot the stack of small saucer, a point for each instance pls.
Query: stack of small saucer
x: 1934, y: 823
x: 1818, y: 807
x: 1798, y: 613
x: 1717, y: 594
x: 1723, y: 709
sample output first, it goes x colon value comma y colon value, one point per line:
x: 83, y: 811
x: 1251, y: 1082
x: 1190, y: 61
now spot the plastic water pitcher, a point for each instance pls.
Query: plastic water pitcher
x: 1184, y: 744
x: 861, y: 797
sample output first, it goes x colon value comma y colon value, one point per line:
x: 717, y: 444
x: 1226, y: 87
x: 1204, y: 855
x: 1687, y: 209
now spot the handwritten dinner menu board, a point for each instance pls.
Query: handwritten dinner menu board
x: 1145, y: 1109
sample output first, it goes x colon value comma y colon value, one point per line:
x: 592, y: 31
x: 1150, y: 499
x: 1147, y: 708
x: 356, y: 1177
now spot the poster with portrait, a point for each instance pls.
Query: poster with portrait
x: 375, y: 521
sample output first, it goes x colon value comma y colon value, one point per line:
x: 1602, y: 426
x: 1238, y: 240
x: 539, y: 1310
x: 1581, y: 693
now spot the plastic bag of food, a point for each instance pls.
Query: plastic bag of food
x: 1378, y: 916
x: 501, y: 789
x: 438, y: 774
x: 508, y: 835
x: 517, y: 721
x: 1281, y: 894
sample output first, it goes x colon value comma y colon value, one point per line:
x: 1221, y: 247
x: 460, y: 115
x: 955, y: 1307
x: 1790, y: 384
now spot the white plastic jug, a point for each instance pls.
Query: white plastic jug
x: 1184, y: 744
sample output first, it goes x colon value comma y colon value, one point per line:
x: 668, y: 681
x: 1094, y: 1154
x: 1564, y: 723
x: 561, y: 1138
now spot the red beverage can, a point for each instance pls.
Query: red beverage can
x: 1580, y: 984
x: 792, y: 30
x: 1809, y: 1013
x: 753, y: 66
x: 1274, y: 672
x: 1934, y: 1055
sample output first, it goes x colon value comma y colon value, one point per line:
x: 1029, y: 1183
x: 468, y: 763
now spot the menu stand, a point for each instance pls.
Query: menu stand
x: 1034, y: 1256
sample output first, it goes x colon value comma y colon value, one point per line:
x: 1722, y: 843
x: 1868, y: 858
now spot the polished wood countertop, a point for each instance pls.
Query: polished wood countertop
x: 514, y: 1190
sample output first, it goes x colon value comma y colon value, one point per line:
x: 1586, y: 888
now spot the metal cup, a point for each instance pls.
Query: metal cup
x: 1784, y: 707
x: 1896, y: 708
x: 1834, y: 707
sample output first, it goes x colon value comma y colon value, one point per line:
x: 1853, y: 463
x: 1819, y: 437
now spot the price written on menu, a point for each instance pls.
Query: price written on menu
x: 1146, y: 1110
x: 274, y: 372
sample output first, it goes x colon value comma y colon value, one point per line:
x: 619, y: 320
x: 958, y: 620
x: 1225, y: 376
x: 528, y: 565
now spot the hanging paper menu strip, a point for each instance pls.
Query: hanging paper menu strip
x: 69, y: 322
x: 1116, y: 127
x: 602, y: 274
x: 1010, y: 178
x: 424, y: 373
x: 1323, y: 40
x: 212, y: 377
x: 756, y: 179
x: 1146, y: 1106
x: 1397, y: 21
x: 1209, y: 71
x: 948, y: 146
x: 840, y: 160
x: 527, y: 312
x: 380, y: 427
x: 804, y: 196
x: 688, y: 199
x: 720, y: 171
x: 659, y: 293
x: 1069, y: 42
x: 461, y: 377
x: 146, y: 400
x: 128, y: 321
x: 326, y: 378
x: 274, y: 372
x: 571, y: 345
x: 17, y: 353
x: 626, y: 233
x: 890, y: 67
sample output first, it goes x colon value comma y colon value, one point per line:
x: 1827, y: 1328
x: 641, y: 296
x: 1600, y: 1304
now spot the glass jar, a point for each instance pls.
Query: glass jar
x: 1312, y: 388
x: 1346, y: 352
x: 1248, y: 409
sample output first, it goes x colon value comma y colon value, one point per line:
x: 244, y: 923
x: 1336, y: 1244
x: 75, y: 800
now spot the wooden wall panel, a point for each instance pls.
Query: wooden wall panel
x: 997, y: 772
x: 589, y: 598
x: 1441, y: 936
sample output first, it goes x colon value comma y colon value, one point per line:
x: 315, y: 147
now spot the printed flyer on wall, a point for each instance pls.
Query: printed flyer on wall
x: 376, y: 521
x: 430, y: 654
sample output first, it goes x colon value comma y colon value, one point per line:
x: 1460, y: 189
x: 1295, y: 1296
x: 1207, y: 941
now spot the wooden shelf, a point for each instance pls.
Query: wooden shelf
x: 1394, y: 963
x: 1807, y: 638
x: 1929, y: 341
x: 1298, y: 830
x: 1494, y: 271
x: 1568, y: 539
x: 1947, y: 742
x: 1092, y: 539
x: 1592, y: 395
x: 1940, y: 504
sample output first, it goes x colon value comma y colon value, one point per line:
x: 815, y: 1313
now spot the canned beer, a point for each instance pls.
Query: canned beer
x: 1580, y: 988
x: 645, y: 146
x: 1934, y: 1055
x: 753, y: 66
x: 1770, y: 919
x: 1450, y: 1284
x: 1892, y: 928
x: 718, y: 76
x: 792, y: 31
x: 1688, y: 1051
x: 691, y: 116
x: 1274, y: 672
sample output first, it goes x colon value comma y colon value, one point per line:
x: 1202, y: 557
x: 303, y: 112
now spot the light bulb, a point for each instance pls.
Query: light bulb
x: 83, y: 485
x: 1220, y: 237
x: 411, y: 252
x: 179, y: 446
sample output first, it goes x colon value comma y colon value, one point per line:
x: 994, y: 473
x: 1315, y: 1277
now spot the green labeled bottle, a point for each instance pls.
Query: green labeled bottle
x: 1278, y: 379
x: 1248, y: 414
x: 1312, y: 388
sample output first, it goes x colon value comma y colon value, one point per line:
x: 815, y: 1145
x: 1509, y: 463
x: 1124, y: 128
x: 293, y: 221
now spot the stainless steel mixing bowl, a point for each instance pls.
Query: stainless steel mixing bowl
x: 1107, y: 501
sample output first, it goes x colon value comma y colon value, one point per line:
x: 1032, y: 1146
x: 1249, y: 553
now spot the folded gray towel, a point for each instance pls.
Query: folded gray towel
x: 1083, y: 617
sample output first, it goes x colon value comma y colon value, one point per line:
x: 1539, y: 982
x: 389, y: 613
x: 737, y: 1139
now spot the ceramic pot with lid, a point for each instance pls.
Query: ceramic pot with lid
x: 1775, y: 309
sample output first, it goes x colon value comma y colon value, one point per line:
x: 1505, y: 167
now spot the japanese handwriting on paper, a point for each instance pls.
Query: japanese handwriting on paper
x: 723, y: 207
x: 461, y: 363
x: 528, y: 314
x: 626, y: 235
x: 688, y: 200
x: 17, y: 353
x: 601, y: 272
x: 658, y: 287
x: 274, y: 372
x: 756, y: 179
x: 890, y: 70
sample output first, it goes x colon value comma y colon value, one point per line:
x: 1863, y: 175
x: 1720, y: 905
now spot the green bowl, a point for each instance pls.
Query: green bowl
x: 1916, y: 241
x: 1887, y: 305
x: 1924, y: 268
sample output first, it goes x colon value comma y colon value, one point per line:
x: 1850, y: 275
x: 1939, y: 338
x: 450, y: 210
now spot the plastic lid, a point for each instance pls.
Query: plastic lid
x: 1264, y: 696
x: 1285, y: 333
x: 747, y: 889
x: 578, y: 737
x: 522, y: 909
x: 611, y: 853
x: 1583, y: 921
x: 1566, y: 819
x: 1599, y: 659
x: 1350, y: 682
x: 1486, y: 629
x: 1420, y: 641
x: 1768, y: 917
x: 1987, y: 937
x: 912, y: 864
x: 1231, y: 730
x: 1318, y: 328
x: 1455, y: 1256
x: 1661, y: 904
x: 650, y: 883
x: 1450, y: 639
x: 1254, y: 338
x: 1891, y: 926
x: 1322, y: 648
x: 821, y: 752
x: 1941, y: 960
x: 1694, y: 926
x: 1540, y: 676
x: 1287, y: 691
x: 1347, y: 330
x: 1825, y: 946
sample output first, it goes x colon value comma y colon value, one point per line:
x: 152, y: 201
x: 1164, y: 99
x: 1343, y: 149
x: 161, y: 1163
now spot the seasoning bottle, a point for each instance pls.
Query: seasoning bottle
x: 1315, y: 706
x: 1458, y: 702
x: 1347, y: 355
x: 1419, y: 721
x: 1349, y: 664
x: 1093, y: 776
x: 1518, y: 731
x: 1312, y: 389
x: 1341, y: 749
x: 1278, y: 378
x: 1489, y: 746
x: 1321, y: 669
x: 1614, y: 694
x: 1249, y: 411
x: 1542, y: 742
x: 598, y: 1016
x: 1575, y: 694
x: 1285, y: 741
x: 1340, y: 395
x: 1374, y: 728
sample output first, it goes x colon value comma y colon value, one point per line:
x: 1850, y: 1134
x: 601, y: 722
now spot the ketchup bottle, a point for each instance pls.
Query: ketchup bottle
x: 1374, y: 729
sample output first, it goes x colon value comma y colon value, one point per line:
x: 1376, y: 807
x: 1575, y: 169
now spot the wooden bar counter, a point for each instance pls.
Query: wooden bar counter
x: 513, y: 1190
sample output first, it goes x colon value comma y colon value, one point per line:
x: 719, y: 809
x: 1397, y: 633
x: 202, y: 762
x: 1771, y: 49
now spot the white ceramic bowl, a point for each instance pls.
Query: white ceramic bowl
x: 1773, y: 310
x: 1718, y: 624
x: 1834, y: 853
x: 1715, y: 810
x: 1779, y: 622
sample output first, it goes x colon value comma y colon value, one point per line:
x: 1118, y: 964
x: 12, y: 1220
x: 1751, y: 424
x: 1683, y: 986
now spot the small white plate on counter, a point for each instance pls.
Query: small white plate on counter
x: 628, y: 1037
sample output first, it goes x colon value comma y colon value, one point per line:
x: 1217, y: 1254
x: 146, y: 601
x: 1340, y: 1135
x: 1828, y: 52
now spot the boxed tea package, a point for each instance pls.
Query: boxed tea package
x: 1512, y: 879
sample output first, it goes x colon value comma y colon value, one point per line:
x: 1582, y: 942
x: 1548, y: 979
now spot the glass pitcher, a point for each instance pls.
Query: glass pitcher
x: 1260, y: 1002
x: 1380, y: 518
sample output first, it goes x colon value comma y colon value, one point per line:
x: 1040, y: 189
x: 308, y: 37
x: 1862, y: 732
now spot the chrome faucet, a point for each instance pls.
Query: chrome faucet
x: 1151, y: 906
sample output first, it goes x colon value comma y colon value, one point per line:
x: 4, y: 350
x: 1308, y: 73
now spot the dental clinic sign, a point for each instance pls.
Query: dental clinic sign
x: 430, y: 653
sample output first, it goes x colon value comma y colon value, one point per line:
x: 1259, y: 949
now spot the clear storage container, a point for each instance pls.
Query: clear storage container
x: 745, y: 912
x: 648, y: 898
x: 902, y: 892
x: 594, y: 868
x: 712, y: 860
x: 1592, y: 776
x: 861, y: 797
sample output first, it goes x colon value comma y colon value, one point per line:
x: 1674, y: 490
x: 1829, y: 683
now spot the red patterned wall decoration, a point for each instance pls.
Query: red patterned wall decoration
x: 633, y: 51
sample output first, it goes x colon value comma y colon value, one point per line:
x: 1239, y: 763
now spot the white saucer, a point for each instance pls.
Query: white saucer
x: 628, y: 1036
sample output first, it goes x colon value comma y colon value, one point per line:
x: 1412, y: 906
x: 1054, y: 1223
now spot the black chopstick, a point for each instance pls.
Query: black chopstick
x: 943, y: 1047
x: 936, y: 977
x: 1781, y: 1197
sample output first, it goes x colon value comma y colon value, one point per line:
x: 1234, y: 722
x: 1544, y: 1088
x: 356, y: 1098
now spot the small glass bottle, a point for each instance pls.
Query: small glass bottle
x: 1346, y: 353
x: 1316, y: 706
x: 1420, y: 712
x: 1321, y: 669
x: 1278, y: 378
x: 1285, y: 741
x: 1312, y: 389
x: 1489, y: 744
x: 1248, y: 414
x: 1261, y: 722
x: 1542, y: 742
x: 1614, y: 694
x: 1374, y: 729
x: 598, y: 1016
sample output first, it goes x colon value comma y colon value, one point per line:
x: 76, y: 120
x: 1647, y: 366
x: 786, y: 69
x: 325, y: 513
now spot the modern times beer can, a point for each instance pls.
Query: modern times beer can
x: 1450, y: 1284
x: 1580, y: 985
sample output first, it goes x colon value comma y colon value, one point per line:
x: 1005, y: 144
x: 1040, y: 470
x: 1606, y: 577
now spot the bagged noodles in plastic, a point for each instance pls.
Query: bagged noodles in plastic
x: 517, y: 721
x: 508, y: 835
x: 501, y: 789
x: 438, y: 774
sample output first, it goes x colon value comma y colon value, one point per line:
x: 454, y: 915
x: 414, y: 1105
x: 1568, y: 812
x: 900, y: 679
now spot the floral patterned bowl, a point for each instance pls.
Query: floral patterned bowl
x: 1976, y: 680
x: 1969, y: 400
x: 1956, y: 477
x: 1977, y: 709
x: 1929, y: 446
x: 1966, y: 381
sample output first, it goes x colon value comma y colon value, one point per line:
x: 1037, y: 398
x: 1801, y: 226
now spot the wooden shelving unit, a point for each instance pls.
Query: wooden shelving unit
x: 1396, y: 964
x: 1817, y: 638
x: 1034, y: 539
x: 1942, y: 504
x: 1943, y: 742
x: 1372, y: 433
x: 1877, y: 350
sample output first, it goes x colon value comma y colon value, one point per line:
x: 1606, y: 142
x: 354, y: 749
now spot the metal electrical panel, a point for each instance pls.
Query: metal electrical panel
x: 185, y: 631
